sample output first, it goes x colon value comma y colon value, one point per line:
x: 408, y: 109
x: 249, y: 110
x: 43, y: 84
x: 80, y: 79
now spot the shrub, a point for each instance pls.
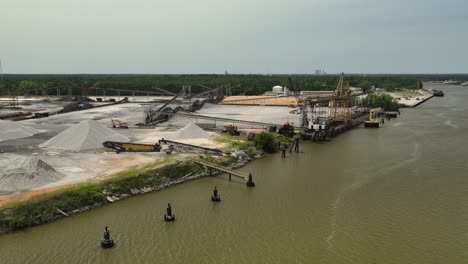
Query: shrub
x: 265, y: 142
x: 384, y: 101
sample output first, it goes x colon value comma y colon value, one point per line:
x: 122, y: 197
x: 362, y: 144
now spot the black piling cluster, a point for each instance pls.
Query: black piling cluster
x: 107, y: 242
x: 169, y: 216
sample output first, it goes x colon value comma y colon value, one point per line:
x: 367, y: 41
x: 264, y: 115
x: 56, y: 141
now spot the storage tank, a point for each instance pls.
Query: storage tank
x: 277, y: 89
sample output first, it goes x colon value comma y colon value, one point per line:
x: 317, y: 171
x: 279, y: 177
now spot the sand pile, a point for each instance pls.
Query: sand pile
x: 12, y: 130
x: 21, y: 173
x: 86, y: 135
x: 188, y: 132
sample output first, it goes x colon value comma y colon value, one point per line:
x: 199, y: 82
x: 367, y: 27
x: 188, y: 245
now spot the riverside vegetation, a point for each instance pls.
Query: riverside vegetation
x: 49, y: 207
x: 83, y: 197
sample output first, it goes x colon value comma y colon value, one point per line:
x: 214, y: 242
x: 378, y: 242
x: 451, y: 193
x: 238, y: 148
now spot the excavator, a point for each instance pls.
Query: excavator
x: 373, y: 118
x: 119, y: 124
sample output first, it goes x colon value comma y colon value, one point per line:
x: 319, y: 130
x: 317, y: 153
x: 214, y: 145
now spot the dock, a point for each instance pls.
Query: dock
x: 239, y: 174
x: 423, y: 100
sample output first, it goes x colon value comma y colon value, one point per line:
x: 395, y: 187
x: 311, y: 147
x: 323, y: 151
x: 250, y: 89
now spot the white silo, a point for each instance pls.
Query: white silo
x: 278, y: 89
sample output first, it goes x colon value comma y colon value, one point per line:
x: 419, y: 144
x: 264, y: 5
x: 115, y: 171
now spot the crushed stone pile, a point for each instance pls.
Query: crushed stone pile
x: 188, y: 132
x: 86, y: 135
x: 13, y: 130
x: 20, y: 173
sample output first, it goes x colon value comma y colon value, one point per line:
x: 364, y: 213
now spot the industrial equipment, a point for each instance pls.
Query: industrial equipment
x: 156, y: 116
x: 304, y: 105
x: 286, y: 130
x: 119, y: 124
x: 231, y: 129
x: 340, y: 101
x: 251, y: 136
x: 319, y: 124
x: 373, y: 118
x: 132, y: 147
x: 175, y: 144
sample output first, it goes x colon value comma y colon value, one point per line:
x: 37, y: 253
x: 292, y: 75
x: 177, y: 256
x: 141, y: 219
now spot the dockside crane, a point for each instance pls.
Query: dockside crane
x: 304, y: 105
x: 340, y: 101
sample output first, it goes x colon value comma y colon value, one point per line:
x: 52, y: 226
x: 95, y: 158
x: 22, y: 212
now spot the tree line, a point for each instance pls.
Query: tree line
x: 249, y: 84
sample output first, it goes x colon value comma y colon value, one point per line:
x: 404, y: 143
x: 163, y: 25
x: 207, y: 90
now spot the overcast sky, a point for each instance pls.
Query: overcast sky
x: 240, y: 36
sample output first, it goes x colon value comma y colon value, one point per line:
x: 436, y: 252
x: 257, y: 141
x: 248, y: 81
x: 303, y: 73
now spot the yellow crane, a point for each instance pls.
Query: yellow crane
x: 373, y: 118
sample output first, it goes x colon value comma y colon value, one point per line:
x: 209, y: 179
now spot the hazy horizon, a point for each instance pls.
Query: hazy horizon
x: 234, y: 74
x: 242, y: 37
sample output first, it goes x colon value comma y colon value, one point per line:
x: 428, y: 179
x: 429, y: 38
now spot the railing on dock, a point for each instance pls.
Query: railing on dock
x: 236, y: 173
x: 190, y: 146
x: 224, y: 120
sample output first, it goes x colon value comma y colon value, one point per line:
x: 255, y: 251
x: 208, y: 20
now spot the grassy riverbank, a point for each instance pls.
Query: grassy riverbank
x: 83, y: 197
x: 49, y: 207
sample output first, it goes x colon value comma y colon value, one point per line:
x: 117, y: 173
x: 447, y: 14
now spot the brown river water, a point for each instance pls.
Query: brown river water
x: 397, y: 194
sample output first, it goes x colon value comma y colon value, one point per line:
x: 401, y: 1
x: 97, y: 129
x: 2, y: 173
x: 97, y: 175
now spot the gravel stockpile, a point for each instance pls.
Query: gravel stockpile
x: 12, y: 130
x: 86, y: 135
x: 189, y: 131
x: 20, y: 173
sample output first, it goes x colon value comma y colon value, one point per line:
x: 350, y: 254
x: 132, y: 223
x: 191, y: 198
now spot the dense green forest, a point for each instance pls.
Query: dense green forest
x: 248, y: 84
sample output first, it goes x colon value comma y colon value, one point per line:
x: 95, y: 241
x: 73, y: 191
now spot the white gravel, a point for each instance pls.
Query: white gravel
x: 189, y: 131
x: 21, y: 173
x: 13, y: 130
x: 86, y: 135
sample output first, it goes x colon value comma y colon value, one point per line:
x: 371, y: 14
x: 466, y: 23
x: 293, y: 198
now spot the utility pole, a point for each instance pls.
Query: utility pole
x: 1, y: 70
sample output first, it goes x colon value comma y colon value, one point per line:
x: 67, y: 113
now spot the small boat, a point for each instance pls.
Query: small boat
x: 438, y: 93
x: 374, y: 121
x: 465, y: 83
x: 372, y: 124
